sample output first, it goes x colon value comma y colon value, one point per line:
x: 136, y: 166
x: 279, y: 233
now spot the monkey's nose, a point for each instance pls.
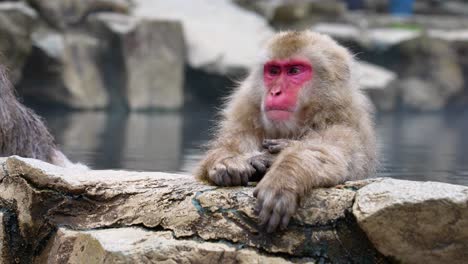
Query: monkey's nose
x: 275, y: 92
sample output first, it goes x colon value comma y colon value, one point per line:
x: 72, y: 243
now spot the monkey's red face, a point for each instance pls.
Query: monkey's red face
x: 283, y: 80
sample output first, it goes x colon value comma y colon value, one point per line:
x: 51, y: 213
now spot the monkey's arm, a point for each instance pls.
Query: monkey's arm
x: 329, y: 158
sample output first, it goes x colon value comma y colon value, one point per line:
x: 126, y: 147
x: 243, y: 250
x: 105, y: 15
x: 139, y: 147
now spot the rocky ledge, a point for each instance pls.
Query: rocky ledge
x: 55, y: 215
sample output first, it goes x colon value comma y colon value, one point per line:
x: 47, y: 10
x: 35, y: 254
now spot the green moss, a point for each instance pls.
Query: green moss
x: 406, y: 26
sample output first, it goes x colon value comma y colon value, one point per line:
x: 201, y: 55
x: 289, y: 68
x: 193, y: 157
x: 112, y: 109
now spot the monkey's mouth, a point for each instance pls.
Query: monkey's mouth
x: 279, y: 113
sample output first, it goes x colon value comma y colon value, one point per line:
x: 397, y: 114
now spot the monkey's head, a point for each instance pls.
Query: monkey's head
x: 302, y: 72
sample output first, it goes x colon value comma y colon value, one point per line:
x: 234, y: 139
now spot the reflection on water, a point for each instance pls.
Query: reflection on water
x: 417, y: 147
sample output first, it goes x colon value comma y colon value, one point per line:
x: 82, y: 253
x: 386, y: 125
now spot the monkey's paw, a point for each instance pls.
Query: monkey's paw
x: 275, y: 146
x: 275, y: 205
x: 231, y: 172
x: 261, y: 163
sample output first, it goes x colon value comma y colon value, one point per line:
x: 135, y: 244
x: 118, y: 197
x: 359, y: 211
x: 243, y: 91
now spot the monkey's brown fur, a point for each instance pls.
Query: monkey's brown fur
x: 330, y: 140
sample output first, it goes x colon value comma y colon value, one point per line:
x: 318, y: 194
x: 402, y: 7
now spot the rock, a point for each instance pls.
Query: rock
x: 455, y: 7
x: 379, y: 84
x: 415, y: 222
x: 17, y: 21
x: 435, y: 64
x: 285, y: 14
x: 426, y: 63
x: 64, y: 69
x: 143, y: 60
x: 420, y: 95
x: 302, y: 14
x: 368, y: 38
x: 61, y: 14
x: 374, y: 77
x: 221, y: 46
x: 117, y: 62
x: 136, y: 245
x: 47, y: 197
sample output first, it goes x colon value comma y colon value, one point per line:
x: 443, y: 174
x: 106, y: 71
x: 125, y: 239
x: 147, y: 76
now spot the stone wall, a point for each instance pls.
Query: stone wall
x: 56, y: 215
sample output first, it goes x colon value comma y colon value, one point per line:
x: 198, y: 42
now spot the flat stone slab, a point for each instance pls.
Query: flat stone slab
x: 415, y: 222
x: 136, y: 245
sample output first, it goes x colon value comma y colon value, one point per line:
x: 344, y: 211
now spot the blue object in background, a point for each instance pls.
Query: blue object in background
x: 401, y: 7
x: 355, y: 4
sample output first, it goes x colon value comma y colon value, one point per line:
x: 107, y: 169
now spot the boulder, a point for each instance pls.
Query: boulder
x: 61, y: 14
x: 152, y: 214
x: 221, y: 37
x: 434, y: 63
x: 286, y: 14
x: 420, y: 95
x: 302, y: 14
x: 115, y: 62
x: 17, y: 21
x: 59, y: 215
x: 137, y: 245
x: 379, y: 84
x: 428, y: 64
x: 415, y: 222
x: 142, y: 60
x: 64, y: 69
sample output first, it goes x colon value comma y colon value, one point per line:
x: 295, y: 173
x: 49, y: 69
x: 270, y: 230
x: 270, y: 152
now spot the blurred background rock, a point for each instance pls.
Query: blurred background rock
x: 173, y: 61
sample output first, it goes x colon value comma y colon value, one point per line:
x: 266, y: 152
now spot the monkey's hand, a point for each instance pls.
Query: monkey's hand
x: 276, y: 203
x: 232, y: 171
x: 275, y: 146
x: 261, y: 163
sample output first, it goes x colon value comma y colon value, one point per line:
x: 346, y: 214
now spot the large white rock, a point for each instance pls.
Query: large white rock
x: 64, y: 69
x: 374, y: 77
x: 379, y: 84
x: 144, y: 60
x: 415, y: 222
x: 221, y: 37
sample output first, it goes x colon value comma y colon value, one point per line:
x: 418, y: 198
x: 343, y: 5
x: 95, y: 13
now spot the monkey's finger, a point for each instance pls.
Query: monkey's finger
x: 273, y: 222
x: 235, y: 177
x: 275, y: 149
x: 264, y: 216
x: 244, y: 179
x: 251, y: 169
x: 255, y: 192
x: 265, y: 213
x: 226, y: 179
x: 215, y: 177
x: 269, y: 142
x: 258, y: 207
x: 285, y: 221
x: 258, y: 166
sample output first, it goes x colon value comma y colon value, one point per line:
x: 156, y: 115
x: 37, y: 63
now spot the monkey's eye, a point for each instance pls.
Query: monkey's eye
x: 273, y: 70
x: 293, y: 70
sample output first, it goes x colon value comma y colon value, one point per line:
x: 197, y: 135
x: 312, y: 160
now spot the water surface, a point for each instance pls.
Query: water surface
x: 423, y: 147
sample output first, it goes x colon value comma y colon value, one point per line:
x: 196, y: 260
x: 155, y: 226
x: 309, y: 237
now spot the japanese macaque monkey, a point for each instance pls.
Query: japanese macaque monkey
x: 300, y: 120
x: 23, y: 133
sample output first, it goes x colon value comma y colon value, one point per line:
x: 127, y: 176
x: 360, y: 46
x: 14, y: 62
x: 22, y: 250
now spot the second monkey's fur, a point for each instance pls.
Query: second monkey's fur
x: 23, y: 133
